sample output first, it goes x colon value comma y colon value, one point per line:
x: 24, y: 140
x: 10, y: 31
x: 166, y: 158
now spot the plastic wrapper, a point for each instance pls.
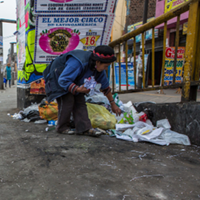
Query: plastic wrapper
x: 98, y: 98
x: 90, y: 83
x: 163, y: 123
x: 128, y: 107
x: 118, y: 102
x: 31, y: 108
x: 100, y: 117
x: 127, y: 118
x: 173, y: 137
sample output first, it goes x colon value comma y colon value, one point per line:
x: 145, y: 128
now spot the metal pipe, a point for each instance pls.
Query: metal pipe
x: 176, y: 48
x: 126, y: 53
x: 164, y: 49
x: 190, y: 52
x: 113, y: 78
x: 153, y: 58
x: 120, y: 68
x: 135, y: 67
x: 143, y: 63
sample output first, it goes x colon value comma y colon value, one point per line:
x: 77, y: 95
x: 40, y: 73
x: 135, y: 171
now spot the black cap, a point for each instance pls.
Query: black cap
x: 104, y: 54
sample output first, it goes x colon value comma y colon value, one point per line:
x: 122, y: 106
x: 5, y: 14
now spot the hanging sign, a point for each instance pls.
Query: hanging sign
x: 59, y: 34
x: 169, y: 65
x: 74, y: 6
x: 170, y: 4
x: 21, y: 55
x: 131, y: 80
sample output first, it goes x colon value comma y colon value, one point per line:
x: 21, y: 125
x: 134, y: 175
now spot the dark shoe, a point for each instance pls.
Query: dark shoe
x: 68, y: 132
x: 92, y: 132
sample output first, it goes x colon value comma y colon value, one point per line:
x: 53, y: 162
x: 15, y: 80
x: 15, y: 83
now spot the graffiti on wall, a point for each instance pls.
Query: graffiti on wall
x: 28, y: 72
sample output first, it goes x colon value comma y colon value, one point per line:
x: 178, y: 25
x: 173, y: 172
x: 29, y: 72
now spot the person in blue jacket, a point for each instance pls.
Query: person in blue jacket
x: 64, y: 81
x: 8, y: 75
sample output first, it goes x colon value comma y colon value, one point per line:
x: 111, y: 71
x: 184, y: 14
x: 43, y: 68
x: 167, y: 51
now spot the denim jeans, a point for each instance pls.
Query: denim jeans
x: 9, y: 83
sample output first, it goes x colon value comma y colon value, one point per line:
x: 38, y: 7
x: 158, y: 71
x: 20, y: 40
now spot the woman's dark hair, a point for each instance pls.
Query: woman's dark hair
x: 92, y: 63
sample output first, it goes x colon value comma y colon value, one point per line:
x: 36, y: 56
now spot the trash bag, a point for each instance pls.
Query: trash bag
x: 99, y: 98
x: 33, y: 115
x: 4, y: 80
x: 100, y: 117
x: 49, y: 111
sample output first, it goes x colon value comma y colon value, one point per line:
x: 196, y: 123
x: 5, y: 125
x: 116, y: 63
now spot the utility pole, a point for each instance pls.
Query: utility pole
x: 1, y: 56
x: 145, y: 11
x: 140, y: 72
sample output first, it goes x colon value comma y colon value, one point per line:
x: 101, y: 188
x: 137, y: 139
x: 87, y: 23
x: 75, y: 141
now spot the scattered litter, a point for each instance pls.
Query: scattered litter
x: 130, y: 125
x: 42, y: 121
x: 118, y: 102
x: 52, y: 123
x: 182, y: 149
x: 128, y: 107
x: 31, y: 108
x: 49, y: 129
x: 141, y: 131
x: 27, y: 130
x: 163, y: 123
x: 26, y: 120
x: 98, y: 98
x: 16, y: 116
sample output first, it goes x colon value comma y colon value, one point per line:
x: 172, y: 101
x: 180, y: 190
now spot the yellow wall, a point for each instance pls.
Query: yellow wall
x: 120, y: 20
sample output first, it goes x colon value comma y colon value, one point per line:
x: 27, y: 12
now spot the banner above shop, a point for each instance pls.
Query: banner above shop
x: 59, y: 34
x: 148, y: 34
x: 173, y: 4
x: 74, y: 6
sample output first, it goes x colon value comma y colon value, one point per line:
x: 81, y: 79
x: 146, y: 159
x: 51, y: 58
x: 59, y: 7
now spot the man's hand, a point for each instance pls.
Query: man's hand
x: 116, y: 109
x: 82, y: 89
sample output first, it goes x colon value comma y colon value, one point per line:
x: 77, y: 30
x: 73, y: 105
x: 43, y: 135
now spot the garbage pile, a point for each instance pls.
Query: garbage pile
x: 30, y: 114
x: 130, y: 125
x: 137, y: 127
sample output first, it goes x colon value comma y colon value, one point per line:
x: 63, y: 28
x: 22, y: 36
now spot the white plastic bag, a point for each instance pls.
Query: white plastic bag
x: 163, y: 123
x: 97, y: 98
x: 128, y: 107
x: 173, y: 137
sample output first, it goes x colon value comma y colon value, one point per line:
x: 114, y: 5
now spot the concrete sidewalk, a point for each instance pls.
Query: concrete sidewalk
x: 43, y: 165
x: 169, y: 96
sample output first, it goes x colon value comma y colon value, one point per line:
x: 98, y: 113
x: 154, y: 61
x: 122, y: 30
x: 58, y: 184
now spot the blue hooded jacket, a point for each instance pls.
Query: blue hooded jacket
x: 69, y: 68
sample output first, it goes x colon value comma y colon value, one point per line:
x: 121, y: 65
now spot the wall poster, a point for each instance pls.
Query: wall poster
x: 74, y: 6
x: 59, y: 34
x: 169, y: 65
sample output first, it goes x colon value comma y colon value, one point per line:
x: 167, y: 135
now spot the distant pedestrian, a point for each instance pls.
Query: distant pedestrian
x: 8, y: 75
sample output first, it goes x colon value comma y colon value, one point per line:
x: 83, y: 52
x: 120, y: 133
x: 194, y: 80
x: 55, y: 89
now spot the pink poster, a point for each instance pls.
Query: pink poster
x: 59, y: 34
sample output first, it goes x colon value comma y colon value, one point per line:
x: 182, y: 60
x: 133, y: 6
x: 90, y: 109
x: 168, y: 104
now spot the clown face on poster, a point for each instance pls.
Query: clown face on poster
x: 74, y: 6
x: 59, y: 34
